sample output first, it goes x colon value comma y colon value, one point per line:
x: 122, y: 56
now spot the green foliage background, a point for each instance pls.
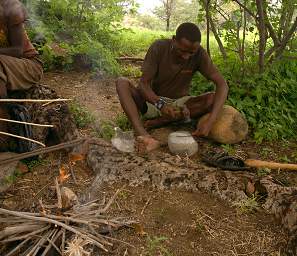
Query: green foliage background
x: 93, y: 29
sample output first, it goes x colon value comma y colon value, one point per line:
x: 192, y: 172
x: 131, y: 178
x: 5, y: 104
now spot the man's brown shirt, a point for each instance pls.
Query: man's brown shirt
x: 169, y: 78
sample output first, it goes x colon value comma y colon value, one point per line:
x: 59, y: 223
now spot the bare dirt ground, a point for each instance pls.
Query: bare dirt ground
x: 171, y: 222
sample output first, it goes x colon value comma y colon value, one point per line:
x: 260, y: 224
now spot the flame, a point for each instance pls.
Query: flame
x: 73, y: 158
x: 63, y: 174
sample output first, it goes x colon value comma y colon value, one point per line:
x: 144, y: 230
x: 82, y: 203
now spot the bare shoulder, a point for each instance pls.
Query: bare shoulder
x: 14, y: 11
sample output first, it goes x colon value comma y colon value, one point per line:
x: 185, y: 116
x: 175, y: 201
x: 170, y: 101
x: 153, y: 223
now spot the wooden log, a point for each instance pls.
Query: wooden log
x: 271, y: 165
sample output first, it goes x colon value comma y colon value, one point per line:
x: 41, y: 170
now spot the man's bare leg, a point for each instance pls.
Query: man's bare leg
x: 132, y: 102
x: 197, y: 107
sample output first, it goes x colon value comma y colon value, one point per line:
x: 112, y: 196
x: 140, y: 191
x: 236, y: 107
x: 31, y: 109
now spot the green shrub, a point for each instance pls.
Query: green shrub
x: 123, y: 122
x: 81, y: 115
x: 267, y: 100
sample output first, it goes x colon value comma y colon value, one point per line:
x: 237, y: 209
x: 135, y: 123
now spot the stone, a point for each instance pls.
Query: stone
x: 69, y: 198
x: 230, y: 127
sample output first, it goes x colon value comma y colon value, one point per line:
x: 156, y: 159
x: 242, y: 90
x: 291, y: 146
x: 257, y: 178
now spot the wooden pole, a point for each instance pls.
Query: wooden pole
x: 271, y: 165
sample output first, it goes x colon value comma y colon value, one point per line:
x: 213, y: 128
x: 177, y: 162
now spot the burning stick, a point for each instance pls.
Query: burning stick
x: 33, y: 100
x: 23, y: 138
x: 20, y: 122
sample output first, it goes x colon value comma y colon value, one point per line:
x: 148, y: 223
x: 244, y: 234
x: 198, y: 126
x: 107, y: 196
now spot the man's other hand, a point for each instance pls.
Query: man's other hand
x: 203, y: 128
x: 170, y: 111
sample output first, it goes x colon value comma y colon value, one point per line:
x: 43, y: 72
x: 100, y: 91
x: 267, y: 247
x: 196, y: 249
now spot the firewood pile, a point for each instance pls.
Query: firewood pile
x: 68, y: 227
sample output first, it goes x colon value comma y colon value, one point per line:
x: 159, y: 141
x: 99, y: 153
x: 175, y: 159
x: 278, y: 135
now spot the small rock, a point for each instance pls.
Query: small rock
x: 230, y: 127
x: 69, y: 198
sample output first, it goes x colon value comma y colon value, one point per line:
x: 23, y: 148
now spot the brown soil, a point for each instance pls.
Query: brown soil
x: 171, y: 222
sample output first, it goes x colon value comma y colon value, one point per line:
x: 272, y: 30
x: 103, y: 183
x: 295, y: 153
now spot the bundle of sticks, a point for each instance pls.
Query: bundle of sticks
x: 25, y: 233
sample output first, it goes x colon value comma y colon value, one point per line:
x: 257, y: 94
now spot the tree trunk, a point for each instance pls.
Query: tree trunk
x: 167, y: 24
x: 262, y: 34
x: 286, y: 39
x: 206, y: 4
x: 217, y: 37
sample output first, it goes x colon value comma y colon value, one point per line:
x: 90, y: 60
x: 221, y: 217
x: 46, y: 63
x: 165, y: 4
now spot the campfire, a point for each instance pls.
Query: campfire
x: 67, y: 227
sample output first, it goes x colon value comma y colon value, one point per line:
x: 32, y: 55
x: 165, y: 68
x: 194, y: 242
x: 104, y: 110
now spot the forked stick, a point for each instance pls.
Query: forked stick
x: 20, y: 122
x: 23, y: 138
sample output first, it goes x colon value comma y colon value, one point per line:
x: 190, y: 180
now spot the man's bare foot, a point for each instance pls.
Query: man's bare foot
x: 146, y: 143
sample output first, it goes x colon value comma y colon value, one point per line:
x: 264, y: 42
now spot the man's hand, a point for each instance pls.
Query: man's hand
x: 203, y: 128
x: 170, y: 111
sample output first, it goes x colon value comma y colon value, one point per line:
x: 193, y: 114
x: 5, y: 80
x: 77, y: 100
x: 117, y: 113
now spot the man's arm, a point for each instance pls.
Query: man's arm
x: 149, y: 95
x: 146, y: 90
x: 16, y: 39
x: 221, y: 94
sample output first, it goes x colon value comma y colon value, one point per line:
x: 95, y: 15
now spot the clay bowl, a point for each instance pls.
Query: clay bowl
x: 182, y: 143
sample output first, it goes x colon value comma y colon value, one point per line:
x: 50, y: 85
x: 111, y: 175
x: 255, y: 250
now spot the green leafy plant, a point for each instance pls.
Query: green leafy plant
x: 12, y: 178
x: 263, y: 172
x: 123, y: 122
x: 106, y: 130
x: 81, y: 115
x: 228, y: 148
x: 33, y: 163
x: 247, y: 205
x: 155, y: 246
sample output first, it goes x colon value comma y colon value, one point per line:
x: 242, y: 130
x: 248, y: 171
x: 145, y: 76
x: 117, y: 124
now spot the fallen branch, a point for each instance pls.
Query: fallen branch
x: 40, y: 151
x: 33, y: 100
x: 22, y: 138
x: 20, y: 122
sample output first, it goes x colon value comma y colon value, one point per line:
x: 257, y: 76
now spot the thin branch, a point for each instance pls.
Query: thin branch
x: 58, y: 191
x: 33, y: 100
x: 247, y: 9
x: 19, y: 122
x: 23, y: 138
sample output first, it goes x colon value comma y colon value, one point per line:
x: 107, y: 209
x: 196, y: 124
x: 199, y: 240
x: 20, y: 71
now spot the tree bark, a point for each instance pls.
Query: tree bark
x: 286, y: 39
x: 217, y: 37
x: 206, y: 6
x: 262, y: 35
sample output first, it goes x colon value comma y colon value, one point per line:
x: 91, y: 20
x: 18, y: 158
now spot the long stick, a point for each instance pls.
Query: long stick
x: 19, y: 122
x: 271, y: 165
x: 40, y: 151
x: 33, y: 100
x: 23, y: 138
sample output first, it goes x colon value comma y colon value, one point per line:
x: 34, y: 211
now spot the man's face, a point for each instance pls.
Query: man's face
x: 184, y: 49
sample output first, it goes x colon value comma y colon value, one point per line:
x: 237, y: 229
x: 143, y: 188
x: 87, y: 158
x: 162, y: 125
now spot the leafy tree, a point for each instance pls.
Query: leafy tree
x: 165, y: 11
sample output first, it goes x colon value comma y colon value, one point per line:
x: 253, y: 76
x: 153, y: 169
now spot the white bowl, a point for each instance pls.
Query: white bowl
x: 182, y: 143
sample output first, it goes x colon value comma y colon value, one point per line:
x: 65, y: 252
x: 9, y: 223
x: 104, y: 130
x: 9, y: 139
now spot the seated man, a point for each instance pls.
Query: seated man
x: 163, y: 91
x: 19, y: 66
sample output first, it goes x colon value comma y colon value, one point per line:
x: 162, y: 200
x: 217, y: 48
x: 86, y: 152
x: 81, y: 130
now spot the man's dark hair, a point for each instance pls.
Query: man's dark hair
x: 188, y: 31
